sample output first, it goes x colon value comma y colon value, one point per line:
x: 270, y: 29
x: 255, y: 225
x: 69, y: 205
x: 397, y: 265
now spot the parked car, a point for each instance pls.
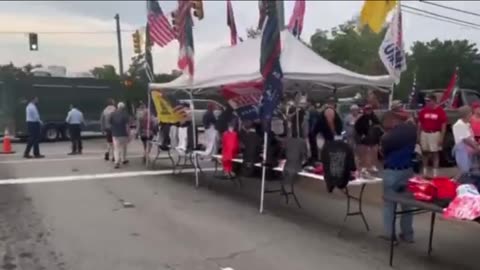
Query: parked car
x: 200, y: 107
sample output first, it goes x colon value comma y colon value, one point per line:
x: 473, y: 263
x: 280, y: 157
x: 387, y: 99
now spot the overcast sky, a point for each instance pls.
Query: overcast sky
x: 81, y: 52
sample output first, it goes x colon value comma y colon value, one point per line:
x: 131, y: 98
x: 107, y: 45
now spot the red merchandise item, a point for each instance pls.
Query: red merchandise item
x: 423, y: 190
x: 229, y: 149
x: 318, y: 169
x: 432, y: 119
x: 446, y: 188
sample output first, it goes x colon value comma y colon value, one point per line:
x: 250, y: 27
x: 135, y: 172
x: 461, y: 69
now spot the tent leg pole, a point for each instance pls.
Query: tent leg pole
x: 264, y: 171
x: 147, y: 152
x: 194, y: 127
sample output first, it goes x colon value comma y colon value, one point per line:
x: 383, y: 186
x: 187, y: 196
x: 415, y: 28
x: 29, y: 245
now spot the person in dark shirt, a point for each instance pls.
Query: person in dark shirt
x: 330, y: 124
x: 313, y: 120
x: 398, y: 148
x: 367, y: 139
x: 251, y: 144
x: 209, y: 117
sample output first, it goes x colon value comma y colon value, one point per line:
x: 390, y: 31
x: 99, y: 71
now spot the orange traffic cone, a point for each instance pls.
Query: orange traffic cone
x: 7, y: 143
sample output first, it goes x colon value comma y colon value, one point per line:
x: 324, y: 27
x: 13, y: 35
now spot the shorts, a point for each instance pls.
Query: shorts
x: 108, y: 135
x: 429, y: 142
x: 145, y: 139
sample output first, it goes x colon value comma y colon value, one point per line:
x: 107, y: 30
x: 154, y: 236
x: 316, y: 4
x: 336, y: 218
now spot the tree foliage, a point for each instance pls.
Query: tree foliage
x: 433, y: 62
x: 106, y: 72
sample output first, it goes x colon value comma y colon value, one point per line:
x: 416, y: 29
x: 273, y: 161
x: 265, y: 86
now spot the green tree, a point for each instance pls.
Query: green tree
x: 106, y: 72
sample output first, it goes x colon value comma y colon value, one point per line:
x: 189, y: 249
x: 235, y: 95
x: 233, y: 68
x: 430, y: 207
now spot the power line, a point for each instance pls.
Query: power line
x: 63, y: 32
x: 439, y: 19
x: 451, y: 8
x: 441, y: 16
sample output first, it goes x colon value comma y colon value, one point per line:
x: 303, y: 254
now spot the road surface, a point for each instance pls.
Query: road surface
x: 163, y: 222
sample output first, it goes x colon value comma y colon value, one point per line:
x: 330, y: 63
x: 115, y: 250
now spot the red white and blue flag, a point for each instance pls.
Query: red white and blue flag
x: 391, y: 50
x: 185, y: 37
x: 449, y: 97
x: 295, y: 25
x: 270, y: 67
x: 160, y: 31
x: 231, y: 23
x: 244, y: 98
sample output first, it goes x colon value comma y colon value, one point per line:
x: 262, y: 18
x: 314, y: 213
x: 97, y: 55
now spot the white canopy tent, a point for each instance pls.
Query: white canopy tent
x: 227, y: 65
x: 241, y: 63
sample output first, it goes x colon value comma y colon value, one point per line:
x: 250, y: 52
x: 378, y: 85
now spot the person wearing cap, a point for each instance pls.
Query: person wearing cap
x: 367, y: 139
x: 398, y: 147
x: 209, y: 117
x: 349, y: 123
x: 475, y: 120
x: 120, y: 125
x: 432, y: 121
x: 465, y: 145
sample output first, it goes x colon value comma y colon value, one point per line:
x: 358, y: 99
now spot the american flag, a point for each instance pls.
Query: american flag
x: 270, y: 63
x: 231, y: 23
x: 296, y: 21
x: 159, y: 28
x: 413, y: 98
x: 185, y: 37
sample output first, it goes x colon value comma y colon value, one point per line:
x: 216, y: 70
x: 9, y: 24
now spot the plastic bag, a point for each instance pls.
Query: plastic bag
x: 422, y: 190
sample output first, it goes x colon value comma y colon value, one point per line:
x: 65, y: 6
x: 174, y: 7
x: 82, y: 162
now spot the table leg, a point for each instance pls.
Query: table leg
x: 171, y: 160
x: 432, y: 226
x: 360, y: 209
x: 392, y: 235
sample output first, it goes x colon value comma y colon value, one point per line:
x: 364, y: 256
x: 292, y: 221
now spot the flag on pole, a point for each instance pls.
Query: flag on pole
x: 374, y: 13
x: 185, y: 37
x: 391, y: 50
x: 296, y: 21
x: 270, y: 63
x: 413, y: 99
x: 261, y: 13
x: 450, y: 91
x: 159, y: 28
x: 231, y: 23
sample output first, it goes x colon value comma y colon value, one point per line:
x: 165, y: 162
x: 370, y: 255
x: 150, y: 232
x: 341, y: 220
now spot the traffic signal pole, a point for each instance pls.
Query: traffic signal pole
x: 119, y: 43
x: 281, y: 13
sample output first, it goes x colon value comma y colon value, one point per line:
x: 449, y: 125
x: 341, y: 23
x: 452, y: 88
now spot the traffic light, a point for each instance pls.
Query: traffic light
x: 174, y: 21
x: 197, y: 8
x: 136, y: 42
x: 33, y: 41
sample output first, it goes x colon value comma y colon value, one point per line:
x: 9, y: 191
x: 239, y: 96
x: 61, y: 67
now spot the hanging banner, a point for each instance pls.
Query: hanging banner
x: 166, y: 112
x: 244, y: 98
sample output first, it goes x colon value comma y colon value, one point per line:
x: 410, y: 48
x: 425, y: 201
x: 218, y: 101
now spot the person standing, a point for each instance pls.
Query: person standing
x: 106, y: 127
x: 75, y: 121
x: 432, y: 126
x: 466, y: 147
x: 367, y: 139
x: 475, y: 120
x: 34, y: 126
x: 209, y: 117
x: 119, y: 122
x: 146, y: 128
x: 330, y: 124
x: 398, y: 148
x: 349, y: 123
x: 313, y: 120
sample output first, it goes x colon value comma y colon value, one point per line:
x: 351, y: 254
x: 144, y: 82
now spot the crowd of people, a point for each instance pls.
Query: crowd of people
x: 308, y: 129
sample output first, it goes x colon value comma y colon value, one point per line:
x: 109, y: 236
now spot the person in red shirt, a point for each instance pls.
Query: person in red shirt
x: 475, y: 120
x: 432, y: 123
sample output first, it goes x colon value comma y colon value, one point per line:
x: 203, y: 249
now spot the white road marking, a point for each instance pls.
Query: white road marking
x: 68, y: 178
x: 33, y: 160
x: 227, y: 268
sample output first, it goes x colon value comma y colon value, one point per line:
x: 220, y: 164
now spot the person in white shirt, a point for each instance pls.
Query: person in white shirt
x: 75, y: 121
x: 34, y: 126
x: 465, y: 145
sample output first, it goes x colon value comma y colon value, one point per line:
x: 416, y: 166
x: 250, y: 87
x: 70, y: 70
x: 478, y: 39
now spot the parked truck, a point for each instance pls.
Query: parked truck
x: 55, y: 96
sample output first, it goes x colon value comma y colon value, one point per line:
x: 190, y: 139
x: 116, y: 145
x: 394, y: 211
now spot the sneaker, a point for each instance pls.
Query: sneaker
x: 27, y: 156
x: 374, y: 169
x: 125, y: 162
x: 387, y: 238
x: 406, y: 240
x: 117, y: 166
x: 39, y: 156
x: 107, y: 156
x: 72, y: 153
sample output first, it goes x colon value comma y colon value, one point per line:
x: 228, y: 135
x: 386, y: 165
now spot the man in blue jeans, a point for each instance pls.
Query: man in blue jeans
x: 398, y: 147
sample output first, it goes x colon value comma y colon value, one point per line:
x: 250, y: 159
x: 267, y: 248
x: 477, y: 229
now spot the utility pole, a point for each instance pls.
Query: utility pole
x: 281, y: 13
x: 119, y: 43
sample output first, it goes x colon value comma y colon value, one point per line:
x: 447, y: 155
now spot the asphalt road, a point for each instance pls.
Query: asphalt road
x: 164, y: 222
